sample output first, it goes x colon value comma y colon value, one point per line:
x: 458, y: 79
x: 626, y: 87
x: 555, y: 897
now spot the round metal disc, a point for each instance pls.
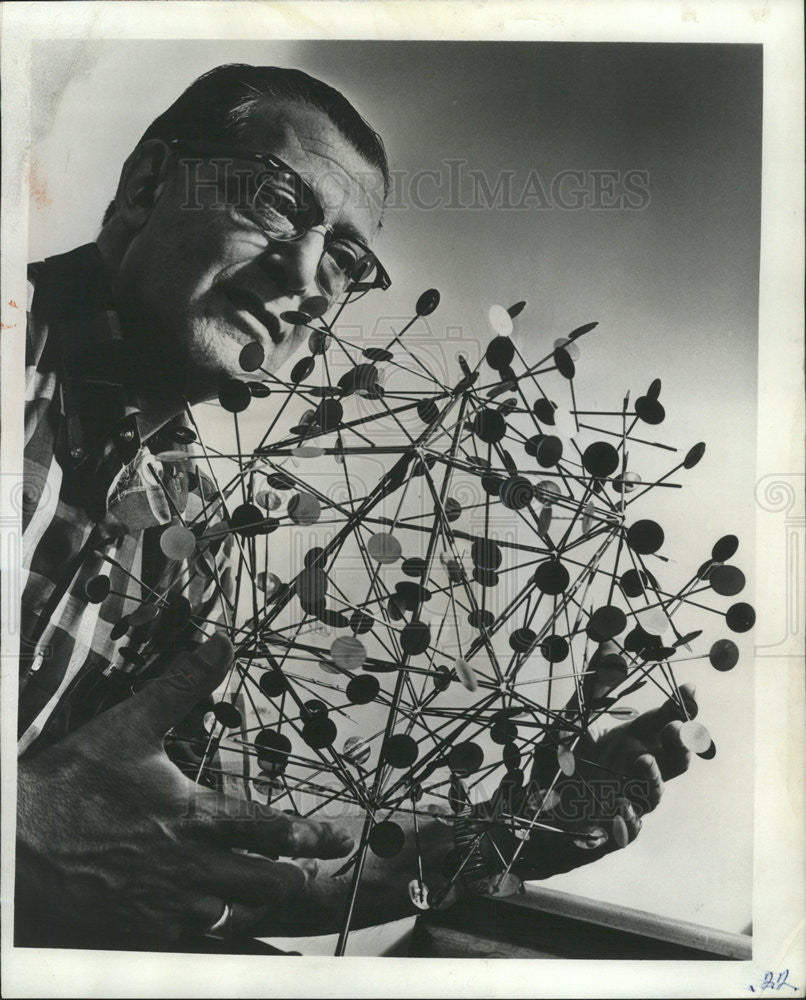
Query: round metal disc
x: 486, y: 553
x: 311, y: 584
x: 384, y: 548
x: 418, y: 894
x: 269, y: 583
x: 726, y: 580
x: 500, y: 321
x: 548, y: 450
x: 480, y: 618
x: 547, y: 491
x: 522, y: 640
x: 649, y: 410
x: 361, y: 622
x: 178, y: 542
x: 566, y: 760
x: 348, y: 653
x: 633, y: 582
x: 626, y: 483
x: 489, y: 425
x: 724, y: 654
x: 467, y: 674
x: 415, y: 638
x: 554, y: 648
x: 356, y: 750
x: 259, y: 390
x: 400, y: 751
x: 570, y: 346
x: 645, y: 537
x: 591, y: 838
x: 516, y: 493
x: 296, y: 317
x: 234, y: 395
x: 328, y: 415
x: 304, y: 509
x: 227, y: 714
x: 280, y: 481
x: 500, y: 352
x: 273, y: 683
x: 653, y: 621
x: 608, y: 621
x: 694, y: 455
x: 486, y: 577
x: 96, y: 588
x: 268, y: 499
x: 377, y: 354
x: 302, y: 369
x: 695, y: 737
x: 247, y: 519
x: 307, y: 451
x: 427, y: 302
x: 453, y: 509
x: 564, y: 363
x: 361, y: 690
x: 182, y: 434
x: 252, y: 356
x: 623, y: 713
x: 319, y: 342
x: 544, y: 411
x: 319, y: 732
x: 551, y: 577
x: 427, y: 411
x: 600, y: 459
x: 386, y: 839
x: 273, y: 749
x: 465, y: 758
x: 504, y: 884
x: 725, y: 548
x: 740, y: 617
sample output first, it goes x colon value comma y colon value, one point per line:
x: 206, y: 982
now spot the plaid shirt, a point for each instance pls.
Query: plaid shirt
x: 95, y: 502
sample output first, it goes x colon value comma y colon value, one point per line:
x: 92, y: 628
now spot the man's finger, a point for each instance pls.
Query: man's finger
x: 165, y: 701
x: 250, y: 881
x: 241, y: 823
x: 688, y: 694
x: 673, y: 758
x: 632, y: 820
x: 648, y: 726
x: 645, y: 787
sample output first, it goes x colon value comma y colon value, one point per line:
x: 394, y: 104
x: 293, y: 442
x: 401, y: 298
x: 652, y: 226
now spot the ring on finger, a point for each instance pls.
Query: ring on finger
x: 220, y: 928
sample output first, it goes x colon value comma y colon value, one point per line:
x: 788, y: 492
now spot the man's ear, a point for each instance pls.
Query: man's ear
x: 142, y: 179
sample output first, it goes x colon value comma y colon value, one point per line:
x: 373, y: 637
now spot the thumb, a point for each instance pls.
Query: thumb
x: 165, y: 701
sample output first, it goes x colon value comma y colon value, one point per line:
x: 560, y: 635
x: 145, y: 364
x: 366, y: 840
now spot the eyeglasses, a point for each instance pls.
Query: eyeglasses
x: 284, y: 207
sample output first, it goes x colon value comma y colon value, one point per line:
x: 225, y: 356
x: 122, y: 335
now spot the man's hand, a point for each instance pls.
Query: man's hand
x: 115, y: 845
x: 615, y: 781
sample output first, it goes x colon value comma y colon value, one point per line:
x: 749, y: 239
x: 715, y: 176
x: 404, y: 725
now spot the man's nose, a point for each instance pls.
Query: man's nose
x: 293, y: 265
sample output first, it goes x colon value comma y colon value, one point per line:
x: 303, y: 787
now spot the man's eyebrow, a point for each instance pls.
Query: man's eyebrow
x: 348, y: 229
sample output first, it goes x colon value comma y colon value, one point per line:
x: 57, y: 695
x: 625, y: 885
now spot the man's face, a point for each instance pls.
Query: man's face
x: 204, y: 283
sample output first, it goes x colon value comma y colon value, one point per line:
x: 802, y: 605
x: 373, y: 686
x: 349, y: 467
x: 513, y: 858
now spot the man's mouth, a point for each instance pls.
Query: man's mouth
x: 248, y: 302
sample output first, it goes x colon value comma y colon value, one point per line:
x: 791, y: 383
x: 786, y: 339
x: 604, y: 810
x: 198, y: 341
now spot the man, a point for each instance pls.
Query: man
x: 117, y: 846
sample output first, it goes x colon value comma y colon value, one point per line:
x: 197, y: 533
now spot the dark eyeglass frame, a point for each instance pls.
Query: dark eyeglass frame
x: 269, y: 161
